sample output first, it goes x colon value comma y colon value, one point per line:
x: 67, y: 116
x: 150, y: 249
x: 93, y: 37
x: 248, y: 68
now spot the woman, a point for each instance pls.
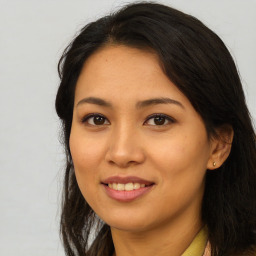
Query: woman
x: 160, y: 147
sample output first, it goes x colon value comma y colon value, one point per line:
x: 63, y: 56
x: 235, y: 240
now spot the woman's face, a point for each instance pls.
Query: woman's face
x: 139, y: 148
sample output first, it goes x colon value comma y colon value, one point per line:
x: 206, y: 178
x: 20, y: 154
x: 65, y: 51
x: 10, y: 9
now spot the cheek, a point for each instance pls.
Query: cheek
x: 182, y: 161
x: 86, y: 151
x: 86, y: 154
x: 182, y: 166
x: 180, y: 150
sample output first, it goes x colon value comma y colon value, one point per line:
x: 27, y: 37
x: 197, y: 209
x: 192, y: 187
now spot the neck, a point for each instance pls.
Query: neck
x: 166, y: 239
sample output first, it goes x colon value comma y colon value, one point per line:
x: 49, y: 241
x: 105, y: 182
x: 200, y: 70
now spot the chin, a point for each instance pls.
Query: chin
x: 130, y: 224
x: 133, y: 227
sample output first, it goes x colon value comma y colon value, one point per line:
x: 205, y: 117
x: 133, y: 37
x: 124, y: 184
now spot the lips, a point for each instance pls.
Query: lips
x: 125, y: 180
x: 126, y: 188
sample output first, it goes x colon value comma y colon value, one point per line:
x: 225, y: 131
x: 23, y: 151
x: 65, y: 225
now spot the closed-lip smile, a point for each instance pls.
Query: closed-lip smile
x: 126, y: 189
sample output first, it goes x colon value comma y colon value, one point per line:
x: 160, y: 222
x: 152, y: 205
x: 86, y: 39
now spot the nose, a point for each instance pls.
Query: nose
x: 125, y: 148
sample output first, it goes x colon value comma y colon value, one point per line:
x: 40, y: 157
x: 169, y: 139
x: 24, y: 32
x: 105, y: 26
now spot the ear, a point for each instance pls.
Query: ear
x: 220, y: 146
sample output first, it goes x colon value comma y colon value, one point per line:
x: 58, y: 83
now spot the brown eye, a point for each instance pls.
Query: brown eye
x: 98, y: 120
x: 95, y: 120
x: 159, y: 120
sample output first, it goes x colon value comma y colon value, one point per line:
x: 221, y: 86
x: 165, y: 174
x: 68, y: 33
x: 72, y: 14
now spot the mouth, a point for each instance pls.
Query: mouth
x: 126, y: 189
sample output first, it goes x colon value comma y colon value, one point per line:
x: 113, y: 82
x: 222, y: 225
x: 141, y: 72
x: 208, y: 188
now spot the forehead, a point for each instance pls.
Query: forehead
x: 121, y: 72
x: 119, y: 61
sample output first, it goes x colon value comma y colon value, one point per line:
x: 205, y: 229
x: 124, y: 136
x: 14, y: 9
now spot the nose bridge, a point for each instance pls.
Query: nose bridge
x: 124, y: 146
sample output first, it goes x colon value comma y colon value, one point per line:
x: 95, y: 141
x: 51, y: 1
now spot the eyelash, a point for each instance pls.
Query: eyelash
x: 168, y: 118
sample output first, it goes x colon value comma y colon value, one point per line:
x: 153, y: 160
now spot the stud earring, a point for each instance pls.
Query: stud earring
x: 214, y: 163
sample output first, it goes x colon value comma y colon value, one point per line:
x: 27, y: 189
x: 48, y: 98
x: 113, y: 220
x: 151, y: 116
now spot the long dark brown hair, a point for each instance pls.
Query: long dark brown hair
x: 196, y: 60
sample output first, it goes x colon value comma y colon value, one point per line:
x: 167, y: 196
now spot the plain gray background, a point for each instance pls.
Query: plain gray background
x: 32, y: 36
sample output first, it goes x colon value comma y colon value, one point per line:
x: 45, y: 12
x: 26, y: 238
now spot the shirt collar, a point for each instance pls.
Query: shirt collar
x: 197, y: 246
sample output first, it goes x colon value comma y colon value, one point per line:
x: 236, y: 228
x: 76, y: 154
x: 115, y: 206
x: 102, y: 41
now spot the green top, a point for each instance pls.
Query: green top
x: 197, y: 247
x: 200, y: 245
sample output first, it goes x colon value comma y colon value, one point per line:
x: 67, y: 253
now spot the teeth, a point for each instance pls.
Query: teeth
x: 120, y: 186
x: 127, y: 187
x: 136, y: 185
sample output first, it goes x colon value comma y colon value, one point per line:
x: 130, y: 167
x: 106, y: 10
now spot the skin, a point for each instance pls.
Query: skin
x: 174, y: 155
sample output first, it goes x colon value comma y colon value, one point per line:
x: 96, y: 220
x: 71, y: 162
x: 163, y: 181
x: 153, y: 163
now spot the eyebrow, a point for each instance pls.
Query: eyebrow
x: 139, y: 104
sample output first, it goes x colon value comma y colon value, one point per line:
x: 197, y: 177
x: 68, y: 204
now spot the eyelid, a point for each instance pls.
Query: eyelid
x: 87, y: 117
x: 170, y: 119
